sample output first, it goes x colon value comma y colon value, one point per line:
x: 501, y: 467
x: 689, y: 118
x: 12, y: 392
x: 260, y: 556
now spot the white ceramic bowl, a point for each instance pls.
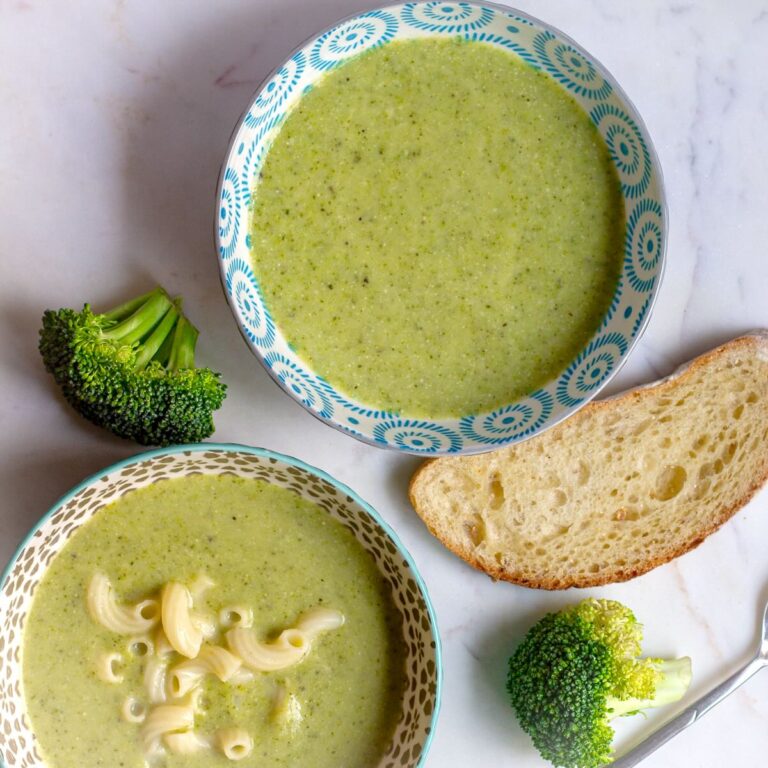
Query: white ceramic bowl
x: 617, y: 121
x: 421, y: 700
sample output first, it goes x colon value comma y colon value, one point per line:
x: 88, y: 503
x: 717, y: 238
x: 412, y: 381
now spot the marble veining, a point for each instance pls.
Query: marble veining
x: 117, y: 114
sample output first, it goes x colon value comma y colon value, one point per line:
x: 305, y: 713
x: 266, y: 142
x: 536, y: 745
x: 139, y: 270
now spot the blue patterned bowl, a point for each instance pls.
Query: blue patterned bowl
x: 540, y: 46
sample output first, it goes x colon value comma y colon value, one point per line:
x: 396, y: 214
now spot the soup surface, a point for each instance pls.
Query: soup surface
x: 437, y: 228
x: 263, y: 546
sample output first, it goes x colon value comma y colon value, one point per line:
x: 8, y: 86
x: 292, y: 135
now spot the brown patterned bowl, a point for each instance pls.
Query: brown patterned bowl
x: 410, y: 743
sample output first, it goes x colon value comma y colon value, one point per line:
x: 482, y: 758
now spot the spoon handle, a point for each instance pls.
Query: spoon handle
x: 688, y: 716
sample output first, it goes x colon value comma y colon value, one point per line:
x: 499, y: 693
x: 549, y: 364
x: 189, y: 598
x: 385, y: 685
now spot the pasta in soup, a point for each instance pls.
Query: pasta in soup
x: 212, y: 619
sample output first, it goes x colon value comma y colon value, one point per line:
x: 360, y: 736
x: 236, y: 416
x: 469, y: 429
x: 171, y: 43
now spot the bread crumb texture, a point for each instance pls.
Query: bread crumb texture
x: 621, y: 487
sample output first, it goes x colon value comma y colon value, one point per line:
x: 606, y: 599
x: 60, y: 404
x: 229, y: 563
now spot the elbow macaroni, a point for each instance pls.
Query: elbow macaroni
x: 290, y: 647
x: 133, y: 710
x: 123, y: 619
x: 211, y: 660
x: 317, y: 620
x: 154, y: 679
x: 235, y: 743
x: 170, y: 726
x: 162, y: 720
x: 220, y: 662
x: 106, y: 668
x: 182, y: 633
x: 186, y: 743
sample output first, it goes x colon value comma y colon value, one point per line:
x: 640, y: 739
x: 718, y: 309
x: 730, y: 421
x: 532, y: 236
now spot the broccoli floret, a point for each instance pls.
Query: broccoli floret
x: 132, y: 370
x: 578, y: 669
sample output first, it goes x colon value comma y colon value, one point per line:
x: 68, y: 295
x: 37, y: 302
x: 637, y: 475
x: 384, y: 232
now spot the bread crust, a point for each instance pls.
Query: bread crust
x: 755, y: 342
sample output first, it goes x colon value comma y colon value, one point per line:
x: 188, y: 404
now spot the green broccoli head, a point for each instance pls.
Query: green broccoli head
x: 132, y: 370
x: 576, y: 670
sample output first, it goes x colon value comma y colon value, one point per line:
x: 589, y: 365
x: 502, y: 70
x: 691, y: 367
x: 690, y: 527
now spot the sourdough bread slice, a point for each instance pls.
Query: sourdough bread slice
x: 621, y: 487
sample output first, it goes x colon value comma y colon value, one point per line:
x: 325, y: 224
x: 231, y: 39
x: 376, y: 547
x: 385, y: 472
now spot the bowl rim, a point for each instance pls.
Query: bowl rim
x: 568, y: 412
x: 287, y: 459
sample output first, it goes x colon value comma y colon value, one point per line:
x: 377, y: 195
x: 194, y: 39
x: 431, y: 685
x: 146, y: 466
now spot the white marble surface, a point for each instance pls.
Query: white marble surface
x: 115, y: 118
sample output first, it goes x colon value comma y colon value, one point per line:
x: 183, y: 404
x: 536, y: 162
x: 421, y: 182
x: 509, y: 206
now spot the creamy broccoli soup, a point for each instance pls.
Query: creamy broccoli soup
x: 238, y: 546
x: 437, y: 228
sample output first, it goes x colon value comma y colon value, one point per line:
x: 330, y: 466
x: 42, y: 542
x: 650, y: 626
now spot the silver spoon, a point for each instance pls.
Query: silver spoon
x: 700, y: 707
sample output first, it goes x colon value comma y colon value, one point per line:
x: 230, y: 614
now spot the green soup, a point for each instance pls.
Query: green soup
x: 264, y: 547
x: 437, y: 228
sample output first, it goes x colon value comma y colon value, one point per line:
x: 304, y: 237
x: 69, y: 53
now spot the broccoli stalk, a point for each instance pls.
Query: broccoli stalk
x: 132, y: 369
x: 578, y: 669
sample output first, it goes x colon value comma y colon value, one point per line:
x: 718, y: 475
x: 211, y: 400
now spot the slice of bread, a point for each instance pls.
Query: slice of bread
x: 621, y: 487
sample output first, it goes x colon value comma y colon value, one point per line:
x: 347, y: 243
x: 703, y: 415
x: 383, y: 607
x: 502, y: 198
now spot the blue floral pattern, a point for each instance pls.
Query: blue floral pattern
x: 448, y: 17
x: 417, y: 436
x: 230, y: 203
x: 242, y: 286
x: 299, y: 384
x: 510, y: 422
x: 352, y: 37
x: 591, y: 368
x: 570, y: 67
x: 629, y: 149
x: 276, y: 92
x: 644, y: 244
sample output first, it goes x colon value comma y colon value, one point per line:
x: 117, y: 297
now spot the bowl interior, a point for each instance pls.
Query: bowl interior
x: 421, y: 697
x: 630, y: 149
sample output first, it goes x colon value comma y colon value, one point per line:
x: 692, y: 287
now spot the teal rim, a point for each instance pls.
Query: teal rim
x: 265, y: 453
